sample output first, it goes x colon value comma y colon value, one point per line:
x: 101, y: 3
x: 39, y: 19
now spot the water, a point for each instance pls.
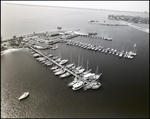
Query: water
x: 125, y: 83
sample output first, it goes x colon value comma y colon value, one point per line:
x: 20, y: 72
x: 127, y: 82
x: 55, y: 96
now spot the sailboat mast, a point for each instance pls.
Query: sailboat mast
x: 87, y: 64
x: 79, y: 60
x: 82, y: 62
x: 97, y: 70
x: 134, y: 48
x: 71, y: 59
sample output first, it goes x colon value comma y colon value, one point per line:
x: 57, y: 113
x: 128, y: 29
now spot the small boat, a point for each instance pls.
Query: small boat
x: 65, y: 75
x: 86, y: 72
x: 57, y: 70
x: 96, y: 85
x: 50, y: 55
x: 69, y: 65
x: 36, y: 55
x: 25, y: 94
x: 55, y: 67
x: 60, y: 72
x: 72, y: 83
x: 63, y: 61
x: 78, y: 85
x: 80, y: 71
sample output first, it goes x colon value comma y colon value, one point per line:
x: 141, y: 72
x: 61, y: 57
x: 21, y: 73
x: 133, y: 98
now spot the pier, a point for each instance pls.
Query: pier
x: 63, y: 67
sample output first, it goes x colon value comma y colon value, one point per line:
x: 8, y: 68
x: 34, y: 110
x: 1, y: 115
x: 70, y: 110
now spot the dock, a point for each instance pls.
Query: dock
x: 79, y: 77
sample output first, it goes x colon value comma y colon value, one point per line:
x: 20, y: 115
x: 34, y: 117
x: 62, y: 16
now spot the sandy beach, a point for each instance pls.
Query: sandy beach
x: 9, y: 51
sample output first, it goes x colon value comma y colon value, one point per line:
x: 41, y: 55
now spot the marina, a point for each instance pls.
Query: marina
x: 121, y: 91
x: 64, y: 71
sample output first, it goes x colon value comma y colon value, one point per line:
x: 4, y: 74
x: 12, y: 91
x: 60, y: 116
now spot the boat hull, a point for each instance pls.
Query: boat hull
x: 25, y: 95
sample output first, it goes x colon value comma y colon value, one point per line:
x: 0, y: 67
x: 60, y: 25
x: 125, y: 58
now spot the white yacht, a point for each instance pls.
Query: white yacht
x: 73, y: 82
x: 69, y: 65
x: 78, y: 85
x: 60, y: 72
x: 56, y: 70
x: 55, y: 67
x: 96, y: 85
x: 63, y: 61
x: 86, y: 72
x: 65, y: 75
x: 80, y: 71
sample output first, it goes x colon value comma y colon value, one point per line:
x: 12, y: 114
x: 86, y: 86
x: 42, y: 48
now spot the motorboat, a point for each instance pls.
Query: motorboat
x: 25, y: 94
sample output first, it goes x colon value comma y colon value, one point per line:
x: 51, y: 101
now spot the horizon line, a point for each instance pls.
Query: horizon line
x: 145, y: 12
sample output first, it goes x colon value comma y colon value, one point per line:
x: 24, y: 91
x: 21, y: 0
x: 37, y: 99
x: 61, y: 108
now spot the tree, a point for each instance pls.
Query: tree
x: 14, y: 37
x: 59, y: 28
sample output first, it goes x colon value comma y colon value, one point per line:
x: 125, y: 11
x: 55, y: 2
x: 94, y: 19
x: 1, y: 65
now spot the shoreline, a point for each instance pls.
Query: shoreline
x: 10, y: 50
x: 146, y: 30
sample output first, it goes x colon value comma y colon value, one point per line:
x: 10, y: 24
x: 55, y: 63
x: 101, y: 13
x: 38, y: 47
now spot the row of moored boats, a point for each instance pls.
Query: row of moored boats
x: 129, y: 55
x: 83, y: 78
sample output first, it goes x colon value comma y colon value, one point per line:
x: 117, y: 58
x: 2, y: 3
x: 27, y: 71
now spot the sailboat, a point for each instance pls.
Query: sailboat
x: 134, y: 49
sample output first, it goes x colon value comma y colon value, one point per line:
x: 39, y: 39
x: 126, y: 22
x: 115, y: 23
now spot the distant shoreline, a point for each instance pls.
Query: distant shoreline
x: 73, y: 8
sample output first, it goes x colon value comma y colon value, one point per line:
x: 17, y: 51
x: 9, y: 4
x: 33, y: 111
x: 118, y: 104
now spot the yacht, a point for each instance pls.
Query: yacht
x: 69, y: 65
x: 72, y: 68
x: 55, y: 67
x: 78, y: 68
x: 49, y: 64
x: 79, y: 71
x: 60, y: 72
x: 58, y: 60
x: 54, y: 58
x: 103, y: 50
x: 73, y: 82
x: 121, y: 54
x: 50, y: 55
x: 96, y: 85
x: 86, y: 72
x: 63, y: 61
x: 78, y: 85
x: 87, y: 85
x: 57, y: 70
x: 36, y: 55
x: 65, y: 75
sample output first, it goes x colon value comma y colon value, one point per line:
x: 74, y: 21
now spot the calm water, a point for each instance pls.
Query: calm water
x: 125, y: 83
